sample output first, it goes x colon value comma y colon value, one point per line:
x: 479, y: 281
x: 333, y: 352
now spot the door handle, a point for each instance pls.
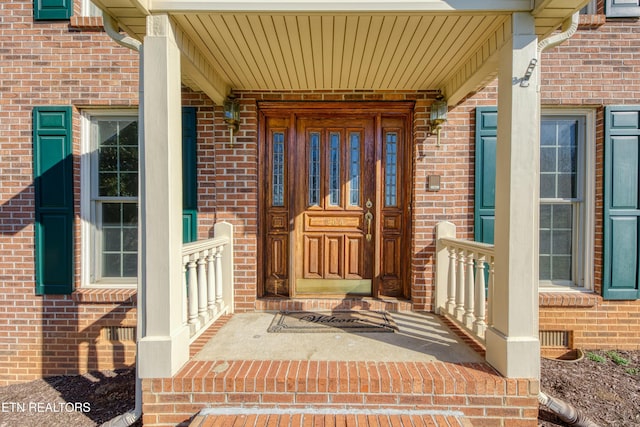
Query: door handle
x: 368, y: 217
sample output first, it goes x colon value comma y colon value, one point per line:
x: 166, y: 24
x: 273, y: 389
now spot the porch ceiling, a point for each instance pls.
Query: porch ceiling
x: 450, y: 45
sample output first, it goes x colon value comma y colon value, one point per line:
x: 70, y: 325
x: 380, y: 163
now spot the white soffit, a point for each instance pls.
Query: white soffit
x: 333, y: 44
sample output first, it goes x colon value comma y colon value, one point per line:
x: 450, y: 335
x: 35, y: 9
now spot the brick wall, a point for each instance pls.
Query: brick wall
x: 53, y: 63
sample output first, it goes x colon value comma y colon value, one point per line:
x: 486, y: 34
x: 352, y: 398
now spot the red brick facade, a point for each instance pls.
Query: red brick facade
x: 63, y: 63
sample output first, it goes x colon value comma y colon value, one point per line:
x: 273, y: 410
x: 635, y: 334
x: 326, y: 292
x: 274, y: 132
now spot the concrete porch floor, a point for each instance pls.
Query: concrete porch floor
x: 423, y: 375
x: 422, y: 337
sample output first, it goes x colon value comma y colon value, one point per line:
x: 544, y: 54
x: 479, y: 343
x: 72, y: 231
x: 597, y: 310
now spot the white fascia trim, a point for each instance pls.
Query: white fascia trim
x: 489, y: 6
x: 589, y: 115
x: 86, y: 225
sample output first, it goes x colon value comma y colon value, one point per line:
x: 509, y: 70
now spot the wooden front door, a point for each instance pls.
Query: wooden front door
x: 333, y: 210
x: 336, y: 209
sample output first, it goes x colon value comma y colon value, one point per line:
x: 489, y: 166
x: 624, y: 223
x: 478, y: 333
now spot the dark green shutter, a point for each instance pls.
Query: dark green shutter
x: 622, y: 8
x: 485, y: 175
x: 621, y: 203
x: 53, y: 185
x: 189, y: 176
x: 52, y: 10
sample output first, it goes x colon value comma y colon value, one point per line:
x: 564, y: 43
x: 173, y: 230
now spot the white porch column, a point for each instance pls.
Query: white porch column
x: 164, y: 344
x: 512, y: 339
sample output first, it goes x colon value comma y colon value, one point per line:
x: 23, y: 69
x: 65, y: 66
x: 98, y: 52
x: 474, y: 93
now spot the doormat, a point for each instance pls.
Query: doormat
x: 332, y: 321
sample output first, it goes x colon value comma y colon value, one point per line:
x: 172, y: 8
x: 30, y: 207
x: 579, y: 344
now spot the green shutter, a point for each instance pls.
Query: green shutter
x: 485, y: 174
x: 53, y: 185
x: 52, y: 10
x: 622, y: 8
x: 189, y: 176
x: 621, y: 203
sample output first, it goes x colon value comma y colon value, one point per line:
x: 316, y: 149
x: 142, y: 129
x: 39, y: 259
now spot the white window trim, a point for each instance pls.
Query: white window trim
x: 90, y: 9
x: 585, y: 268
x: 591, y: 8
x: 87, y: 227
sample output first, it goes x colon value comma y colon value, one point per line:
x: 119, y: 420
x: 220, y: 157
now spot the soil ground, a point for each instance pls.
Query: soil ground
x: 605, y: 386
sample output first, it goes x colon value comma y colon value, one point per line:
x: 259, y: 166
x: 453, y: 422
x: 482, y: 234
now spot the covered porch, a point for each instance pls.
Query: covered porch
x: 453, y: 48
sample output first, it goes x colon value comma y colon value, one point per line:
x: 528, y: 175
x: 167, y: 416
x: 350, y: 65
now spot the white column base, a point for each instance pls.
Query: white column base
x: 162, y: 357
x: 513, y: 357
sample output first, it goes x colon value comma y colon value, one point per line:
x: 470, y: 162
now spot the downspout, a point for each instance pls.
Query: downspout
x: 112, y: 29
x: 563, y: 410
x: 128, y: 418
x: 569, y: 28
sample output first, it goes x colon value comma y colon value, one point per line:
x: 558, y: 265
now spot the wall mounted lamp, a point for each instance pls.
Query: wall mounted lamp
x: 231, y: 115
x: 438, y: 117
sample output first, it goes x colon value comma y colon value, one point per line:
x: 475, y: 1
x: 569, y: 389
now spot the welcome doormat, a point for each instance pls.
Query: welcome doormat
x: 332, y: 321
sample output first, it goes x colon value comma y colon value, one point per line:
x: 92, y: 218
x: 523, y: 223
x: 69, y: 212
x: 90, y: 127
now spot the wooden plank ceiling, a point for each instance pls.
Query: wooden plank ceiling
x: 391, y: 52
x: 301, y: 50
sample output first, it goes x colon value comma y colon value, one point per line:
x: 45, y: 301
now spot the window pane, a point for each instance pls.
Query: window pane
x: 547, y: 186
x: 566, y: 186
x: 111, y: 238
x: 119, y: 239
x: 334, y: 169
x: 558, y: 159
x: 354, y: 170
x: 277, y: 190
x: 561, y: 267
x: 117, y: 157
x: 391, y: 165
x: 314, y: 169
x: 129, y: 265
x: 556, y: 241
x: 545, y: 267
x: 111, y: 265
x: 130, y: 239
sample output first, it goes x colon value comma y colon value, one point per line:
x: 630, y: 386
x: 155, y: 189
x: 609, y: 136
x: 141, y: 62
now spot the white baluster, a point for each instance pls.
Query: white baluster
x: 192, y: 283
x: 211, y: 281
x: 491, y: 263
x: 185, y: 297
x: 460, y: 286
x: 480, y: 325
x: 202, y: 285
x: 469, y: 316
x: 451, y: 282
x: 219, y: 301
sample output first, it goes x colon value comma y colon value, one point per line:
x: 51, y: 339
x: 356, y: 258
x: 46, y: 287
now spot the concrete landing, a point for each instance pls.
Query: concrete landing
x: 422, y: 337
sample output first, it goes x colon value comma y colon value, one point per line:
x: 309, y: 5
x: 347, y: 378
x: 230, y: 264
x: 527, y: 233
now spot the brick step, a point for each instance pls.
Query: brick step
x: 475, y: 390
x: 238, y: 417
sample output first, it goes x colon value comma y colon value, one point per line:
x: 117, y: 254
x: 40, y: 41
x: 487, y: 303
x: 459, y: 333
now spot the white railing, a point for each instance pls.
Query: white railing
x: 208, y: 279
x: 464, y: 280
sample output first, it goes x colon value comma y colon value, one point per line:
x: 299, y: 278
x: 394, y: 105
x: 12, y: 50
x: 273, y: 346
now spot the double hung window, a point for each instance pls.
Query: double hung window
x: 110, y: 198
x: 565, y: 200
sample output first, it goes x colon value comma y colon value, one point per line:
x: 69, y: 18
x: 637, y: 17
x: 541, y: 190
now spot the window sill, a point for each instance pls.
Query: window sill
x: 105, y: 296
x: 588, y: 22
x: 578, y: 299
x: 86, y: 23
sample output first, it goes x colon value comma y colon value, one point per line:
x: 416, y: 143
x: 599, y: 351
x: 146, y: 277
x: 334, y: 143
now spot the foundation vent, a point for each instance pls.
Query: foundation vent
x: 555, y: 339
x: 119, y: 333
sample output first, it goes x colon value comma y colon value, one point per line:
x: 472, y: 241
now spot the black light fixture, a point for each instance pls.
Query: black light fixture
x: 231, y: 115
x: 438, y: 116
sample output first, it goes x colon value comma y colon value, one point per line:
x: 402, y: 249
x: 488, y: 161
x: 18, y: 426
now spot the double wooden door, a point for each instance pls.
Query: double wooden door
x: 336, y: 205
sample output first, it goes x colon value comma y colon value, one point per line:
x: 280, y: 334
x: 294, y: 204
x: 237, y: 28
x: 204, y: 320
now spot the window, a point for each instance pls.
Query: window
x: 110, y: 198
x: 566, y: 200
x: 622, y: 8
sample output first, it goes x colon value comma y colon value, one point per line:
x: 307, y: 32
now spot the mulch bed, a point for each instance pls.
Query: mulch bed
x: 608, y: 392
